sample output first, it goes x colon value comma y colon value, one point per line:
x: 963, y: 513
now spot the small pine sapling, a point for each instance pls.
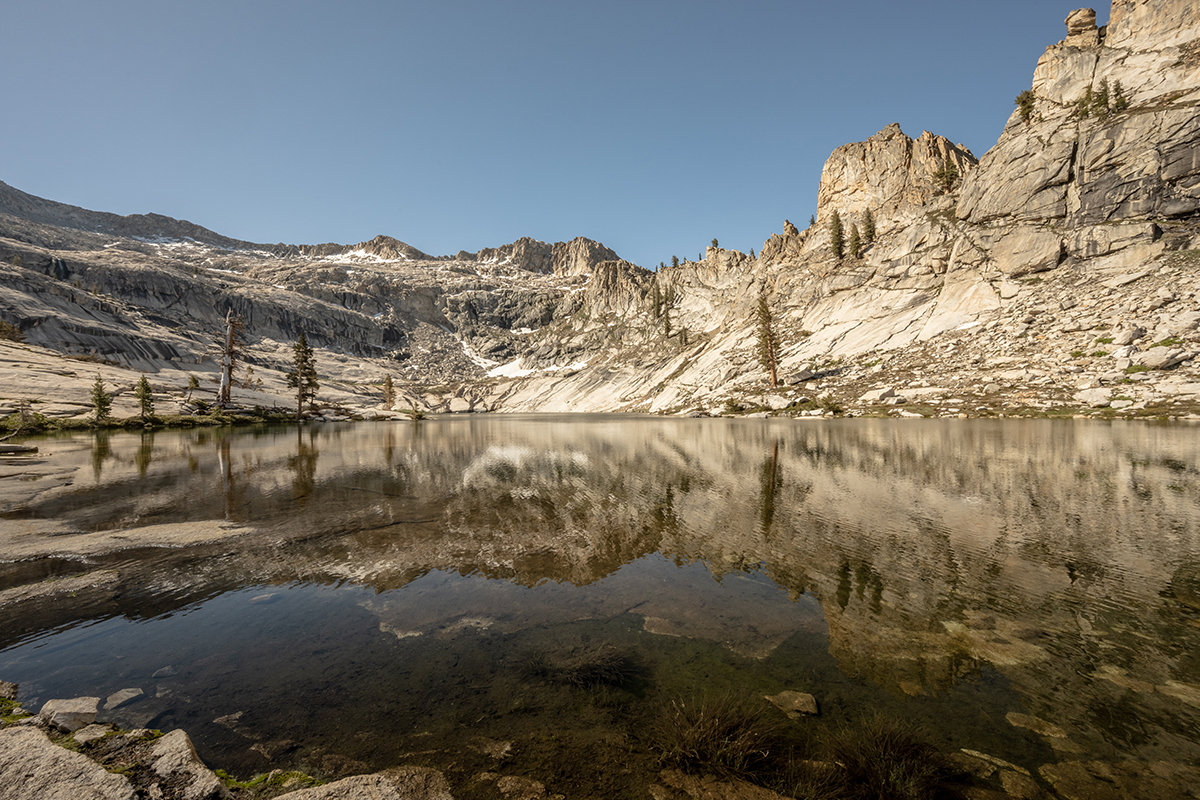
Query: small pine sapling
x: 145, y: 398
x: 101, y: 400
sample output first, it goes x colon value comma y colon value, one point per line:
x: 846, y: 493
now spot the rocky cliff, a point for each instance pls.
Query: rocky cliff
x: 1056, y: 274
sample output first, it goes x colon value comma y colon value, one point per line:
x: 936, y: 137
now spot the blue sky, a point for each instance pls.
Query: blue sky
x: 650, y: 126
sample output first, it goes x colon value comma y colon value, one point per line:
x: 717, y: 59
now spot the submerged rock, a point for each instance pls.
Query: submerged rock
x: 794, y: 704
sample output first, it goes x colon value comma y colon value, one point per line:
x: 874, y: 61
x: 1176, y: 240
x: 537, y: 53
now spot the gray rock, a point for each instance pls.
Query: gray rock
x: 8, y: 691
x: 173, y: 758
x: 777, y: 402
x: 91, y: 733
x: 70, y: 715
x: 118, y: 699
x: 799, y: 377
x: 166, y: 672
x: 402, y: 783
x: 1080, y: 21
x: 1119, y: 404
x: 794, y: 704
x: 1162, y: 357
x: 34, y: 768
x: 877, y: 395
x: 1096, y: 398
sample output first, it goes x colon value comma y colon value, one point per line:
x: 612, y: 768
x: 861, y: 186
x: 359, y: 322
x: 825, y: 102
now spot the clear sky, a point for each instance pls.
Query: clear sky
x: 652, y: 126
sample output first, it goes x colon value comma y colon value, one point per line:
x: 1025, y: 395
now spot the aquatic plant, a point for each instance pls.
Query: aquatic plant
x: 590, y: 667
x: 720, y: 736
x: 887, y: 759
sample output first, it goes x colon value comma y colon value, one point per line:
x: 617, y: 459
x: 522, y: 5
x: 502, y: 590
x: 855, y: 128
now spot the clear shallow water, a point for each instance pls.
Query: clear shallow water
x: 1026, y: 589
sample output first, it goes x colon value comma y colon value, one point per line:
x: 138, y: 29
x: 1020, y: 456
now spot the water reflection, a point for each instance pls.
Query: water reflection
x: 1062, y: 556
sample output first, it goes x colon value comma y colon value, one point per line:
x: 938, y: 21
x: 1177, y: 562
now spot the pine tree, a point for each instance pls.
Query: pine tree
x: 768, y: 340
x: 1025, y: 104
x: 303, y: 376
x: 192, y: 385
x: 812, y: 220
x: 1100, y: 100
x: 946, y: 178
x: 715, y: 245
x: 836, y: 236
x: 145, y: 398
x: 656, y: 300
x: 101, y: 400
x: 674, y: 261
x: 855, y: 241
x: 389, y: 392
x: 1120, y: 101
x: 868, y: 229
x: 752, y: 253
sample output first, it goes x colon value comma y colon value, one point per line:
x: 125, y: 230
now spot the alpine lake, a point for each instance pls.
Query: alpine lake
x: 532, y: 595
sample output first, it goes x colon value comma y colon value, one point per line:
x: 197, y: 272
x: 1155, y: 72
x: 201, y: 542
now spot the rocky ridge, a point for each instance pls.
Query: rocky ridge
x: 1055, y: 275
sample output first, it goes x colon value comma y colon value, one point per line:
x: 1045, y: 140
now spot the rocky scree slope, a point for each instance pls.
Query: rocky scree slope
x: 1056, y: 274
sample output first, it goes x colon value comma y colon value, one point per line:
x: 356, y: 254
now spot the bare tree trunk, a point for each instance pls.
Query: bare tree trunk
x: 224, y: 395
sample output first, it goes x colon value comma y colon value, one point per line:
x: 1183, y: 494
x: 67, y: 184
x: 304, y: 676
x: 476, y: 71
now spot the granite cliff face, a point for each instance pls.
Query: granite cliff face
x: 1057, y: 272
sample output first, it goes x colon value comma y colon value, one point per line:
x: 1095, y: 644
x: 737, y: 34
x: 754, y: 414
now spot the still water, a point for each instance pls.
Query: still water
x: 377, y: 594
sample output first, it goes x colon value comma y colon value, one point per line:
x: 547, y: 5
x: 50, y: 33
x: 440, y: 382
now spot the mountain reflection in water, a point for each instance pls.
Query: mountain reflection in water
x: 1028, y: 588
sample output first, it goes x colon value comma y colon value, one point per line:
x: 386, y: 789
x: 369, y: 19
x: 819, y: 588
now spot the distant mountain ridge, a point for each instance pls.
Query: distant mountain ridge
x: 1059, y: 270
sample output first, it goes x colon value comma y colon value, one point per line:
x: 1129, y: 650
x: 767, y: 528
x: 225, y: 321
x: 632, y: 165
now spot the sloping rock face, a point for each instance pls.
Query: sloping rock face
x: 1113, y: 132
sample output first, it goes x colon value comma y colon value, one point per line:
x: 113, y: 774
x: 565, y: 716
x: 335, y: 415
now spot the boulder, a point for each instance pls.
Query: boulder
x: 174, y: 759
x: 1096, y: 398
x: 1162, y: 357
x: 34, y: 768
x: 402, y: 783
x: 70, y: 715
x: 877, y: 395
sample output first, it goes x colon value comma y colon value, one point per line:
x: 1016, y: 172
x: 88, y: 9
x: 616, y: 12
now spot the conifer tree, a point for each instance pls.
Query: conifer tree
x: 812, y: 220
x: 868, y: 229
x: 946, y: 178
x: 101, y: 400
x: 836, y: 236
x: 1025, y: 104
x: 715, y: 245
x: 674, y: 261
x: 303, y: 375
x: 1120, y: 101
x: 768, y: 340
x: 1100, y: 100
x: 855, y: 241
x: 145, y: 398
x: 389, y: 392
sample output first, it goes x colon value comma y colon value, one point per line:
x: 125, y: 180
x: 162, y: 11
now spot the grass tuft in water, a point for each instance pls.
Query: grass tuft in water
x: 886, y: 759
x: 588, y: 668
x: 723, y: 736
